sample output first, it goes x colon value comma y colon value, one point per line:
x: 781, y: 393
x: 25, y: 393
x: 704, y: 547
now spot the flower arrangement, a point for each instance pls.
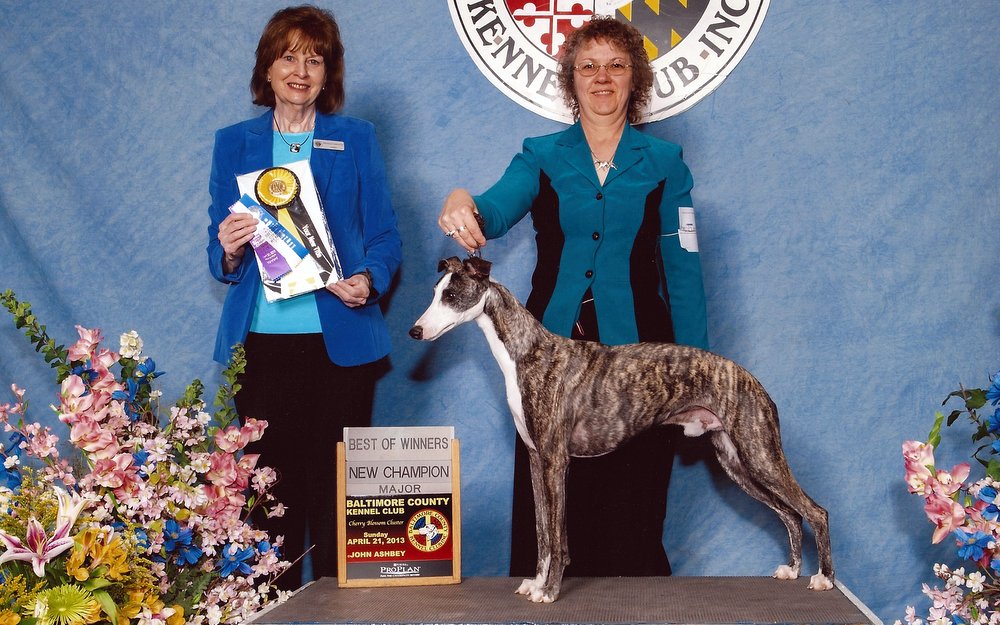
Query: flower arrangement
x: 148, y: 521
x: 965, y: 510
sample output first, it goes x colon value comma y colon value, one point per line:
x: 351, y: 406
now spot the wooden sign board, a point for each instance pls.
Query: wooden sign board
x: 398, y: 512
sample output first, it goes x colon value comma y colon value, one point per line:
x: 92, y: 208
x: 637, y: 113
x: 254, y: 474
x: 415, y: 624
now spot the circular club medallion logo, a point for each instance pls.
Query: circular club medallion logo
x: 427, y: 530
x: 692, y: 45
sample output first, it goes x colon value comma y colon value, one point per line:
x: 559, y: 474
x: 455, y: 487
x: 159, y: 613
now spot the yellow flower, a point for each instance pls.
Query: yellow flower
x: 109, y: 551
x: 177, y: 618
x: 10, y: 618
x: 137, y: 602
x: 87, y: 538
x: 64, y: 605
x: 74, y: 565
x: 131, y: 609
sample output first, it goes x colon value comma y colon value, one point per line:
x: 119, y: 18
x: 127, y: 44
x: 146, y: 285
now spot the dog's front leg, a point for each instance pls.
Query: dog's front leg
x: 548, y: 482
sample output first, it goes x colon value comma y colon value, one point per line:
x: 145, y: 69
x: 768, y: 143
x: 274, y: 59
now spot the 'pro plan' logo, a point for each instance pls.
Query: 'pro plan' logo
x: 693, y: 45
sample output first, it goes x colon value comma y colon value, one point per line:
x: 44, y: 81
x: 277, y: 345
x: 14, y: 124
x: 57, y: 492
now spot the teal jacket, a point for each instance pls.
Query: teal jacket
x: 355, y: 195
x: 619, y: 239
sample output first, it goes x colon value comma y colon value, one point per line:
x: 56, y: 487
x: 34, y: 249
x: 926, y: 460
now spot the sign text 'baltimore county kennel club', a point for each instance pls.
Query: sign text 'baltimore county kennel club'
x: 399, y: 506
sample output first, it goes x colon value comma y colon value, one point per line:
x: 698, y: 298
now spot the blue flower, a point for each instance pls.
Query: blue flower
x: 128, y: 398
x: 972, y: 546
x: 993, y: 392
x: 988, y: 494
x: 86, y: 373
x: 141, y: 538
x: 265, y: 546
x: 188, y: 554
x: 994, y: 422
x: 10, y: 478
x: 139, y: 459
x: 174, y: 536
x: 16, y: 438
x: 234, y: 560
x: 146, y: 370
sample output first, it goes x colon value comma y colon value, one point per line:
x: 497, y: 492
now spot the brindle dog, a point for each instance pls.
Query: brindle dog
x: 576, y: 398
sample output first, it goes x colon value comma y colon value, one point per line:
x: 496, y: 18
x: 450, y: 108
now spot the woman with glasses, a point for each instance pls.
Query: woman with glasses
x: 613, y: 265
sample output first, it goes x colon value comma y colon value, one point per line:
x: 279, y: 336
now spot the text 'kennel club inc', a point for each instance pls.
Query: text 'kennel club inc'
x: 693, y: 45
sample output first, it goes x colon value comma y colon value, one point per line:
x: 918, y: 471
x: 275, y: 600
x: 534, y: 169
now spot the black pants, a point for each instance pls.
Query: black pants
x: 615, y: 504
x: 307, y: 401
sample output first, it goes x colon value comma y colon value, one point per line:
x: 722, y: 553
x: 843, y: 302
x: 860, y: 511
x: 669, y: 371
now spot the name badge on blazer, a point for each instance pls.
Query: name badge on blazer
x: 328, y: 144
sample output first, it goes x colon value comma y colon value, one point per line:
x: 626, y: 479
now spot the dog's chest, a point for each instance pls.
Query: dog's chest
x: 509, y: 369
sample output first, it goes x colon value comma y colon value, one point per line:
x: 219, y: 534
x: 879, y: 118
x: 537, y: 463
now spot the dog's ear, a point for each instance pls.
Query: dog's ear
x: 477, y: 267
x: 449, y: 264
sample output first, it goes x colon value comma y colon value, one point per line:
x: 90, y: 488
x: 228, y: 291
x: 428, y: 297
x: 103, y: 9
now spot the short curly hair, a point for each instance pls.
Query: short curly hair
x: 622, y: 36
x: 306, y: 28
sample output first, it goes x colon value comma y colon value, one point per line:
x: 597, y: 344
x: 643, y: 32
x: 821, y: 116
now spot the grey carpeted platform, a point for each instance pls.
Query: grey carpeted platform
x: 675, y: 600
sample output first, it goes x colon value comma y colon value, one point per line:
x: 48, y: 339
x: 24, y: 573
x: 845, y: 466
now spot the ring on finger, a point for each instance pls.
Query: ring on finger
x: 461, y: 229
x: 450, y: 233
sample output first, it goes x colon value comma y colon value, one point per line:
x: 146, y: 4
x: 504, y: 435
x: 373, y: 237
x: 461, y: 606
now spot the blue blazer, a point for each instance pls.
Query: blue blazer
x: 619, y: 239
x: 355, y: 193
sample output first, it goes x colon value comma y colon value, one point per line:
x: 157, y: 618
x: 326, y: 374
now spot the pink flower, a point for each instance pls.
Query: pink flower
x: 83, y: 348
x: 118, y: 473
x: 43, y: 444
x: 224, y: 505
x: 947, y: 483
x: 222, y: 469
x: 39, y: 548
x: 97, y: 441
x: 918, y: 461
x: 254, y: 429
x: 263, y: 478
x: 231, y: 440
x: 945, y: 513
x: 75, y: 399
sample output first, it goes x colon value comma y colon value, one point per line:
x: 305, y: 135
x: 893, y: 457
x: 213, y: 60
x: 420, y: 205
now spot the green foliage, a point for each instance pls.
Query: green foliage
x: 55, y: 355
x: 224, y: 398
x: 973, y: 400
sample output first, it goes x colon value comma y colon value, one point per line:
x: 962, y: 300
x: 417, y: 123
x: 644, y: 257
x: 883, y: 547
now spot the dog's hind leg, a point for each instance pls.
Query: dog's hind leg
x: 548, y: 479
x: 770, y: 480
x: 729, y: 459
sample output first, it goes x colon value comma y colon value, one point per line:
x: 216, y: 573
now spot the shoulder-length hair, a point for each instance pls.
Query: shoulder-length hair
x: 622, y: 36
x: 305, y: 28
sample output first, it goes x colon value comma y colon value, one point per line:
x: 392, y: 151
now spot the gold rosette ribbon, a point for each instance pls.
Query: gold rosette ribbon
x: 277, y: 187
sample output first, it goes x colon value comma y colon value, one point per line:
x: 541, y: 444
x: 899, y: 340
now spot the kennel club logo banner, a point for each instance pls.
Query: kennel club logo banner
x: 693, y: 45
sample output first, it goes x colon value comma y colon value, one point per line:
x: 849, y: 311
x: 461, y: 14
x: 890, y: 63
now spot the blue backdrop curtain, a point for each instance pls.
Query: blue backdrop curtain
x: 846, y: 186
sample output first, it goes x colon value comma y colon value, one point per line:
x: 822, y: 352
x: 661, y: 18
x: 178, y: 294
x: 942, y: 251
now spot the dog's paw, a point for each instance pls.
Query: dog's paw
x: 527, y: 587
x: 820, y: 582
x: 786, y: 572
x: 542, y: 597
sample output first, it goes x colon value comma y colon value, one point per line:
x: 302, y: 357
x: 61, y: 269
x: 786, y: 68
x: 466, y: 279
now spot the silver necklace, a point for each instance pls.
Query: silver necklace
x: 603, y: 165
x: 292, y: 147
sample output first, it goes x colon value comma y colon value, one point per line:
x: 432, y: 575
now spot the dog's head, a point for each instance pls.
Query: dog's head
x: 459, y: 296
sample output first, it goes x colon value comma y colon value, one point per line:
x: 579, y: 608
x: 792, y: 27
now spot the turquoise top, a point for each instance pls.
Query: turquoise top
x: 618, y: 240
x: 297, y: 315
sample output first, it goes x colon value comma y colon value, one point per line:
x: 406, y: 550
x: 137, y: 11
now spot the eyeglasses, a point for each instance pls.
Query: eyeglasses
x: 614, y: 68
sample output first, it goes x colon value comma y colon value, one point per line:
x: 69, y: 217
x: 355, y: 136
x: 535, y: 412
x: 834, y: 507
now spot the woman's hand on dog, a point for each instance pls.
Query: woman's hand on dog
x: 460, y: 220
